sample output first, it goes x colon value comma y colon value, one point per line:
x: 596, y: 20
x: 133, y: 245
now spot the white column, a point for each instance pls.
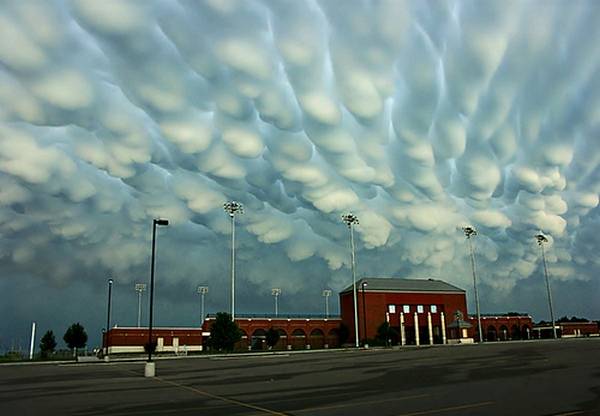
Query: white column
x: 430, y: 328
x: 443, y: 319
x: 402, y: 330
x: 417, y: 341
x: 32, y: 344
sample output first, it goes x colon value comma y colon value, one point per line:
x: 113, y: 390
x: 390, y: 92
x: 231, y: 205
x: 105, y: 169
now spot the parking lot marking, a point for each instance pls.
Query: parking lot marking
x: 448, y: 409
x: 578, y: 412
x: 361, y: 403
x: 224, y: 399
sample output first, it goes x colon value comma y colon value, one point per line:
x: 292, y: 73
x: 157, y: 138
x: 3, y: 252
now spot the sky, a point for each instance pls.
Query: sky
x: 420, y: 117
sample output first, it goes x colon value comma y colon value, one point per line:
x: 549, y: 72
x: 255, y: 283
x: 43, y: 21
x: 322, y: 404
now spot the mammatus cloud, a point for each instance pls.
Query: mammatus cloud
x: 419, y: 117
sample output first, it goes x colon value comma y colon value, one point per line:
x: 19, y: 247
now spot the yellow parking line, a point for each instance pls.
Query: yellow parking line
x: 448, y: 409
x: 361, y: 403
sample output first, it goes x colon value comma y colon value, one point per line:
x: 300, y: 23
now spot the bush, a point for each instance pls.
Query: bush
x: 224, y: 333
x: 272, y: 337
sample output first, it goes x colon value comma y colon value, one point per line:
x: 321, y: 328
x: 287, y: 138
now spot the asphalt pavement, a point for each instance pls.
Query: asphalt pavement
x: 512, y: 378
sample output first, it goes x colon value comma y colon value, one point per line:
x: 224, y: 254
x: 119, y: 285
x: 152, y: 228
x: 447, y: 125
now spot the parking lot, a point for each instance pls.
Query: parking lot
x: 519, y: 378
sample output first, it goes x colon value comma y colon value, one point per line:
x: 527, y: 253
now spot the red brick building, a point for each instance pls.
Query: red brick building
x: 295, y: 332
x: 422, y: 311
x: 123, y: 340
x: 505, y: 327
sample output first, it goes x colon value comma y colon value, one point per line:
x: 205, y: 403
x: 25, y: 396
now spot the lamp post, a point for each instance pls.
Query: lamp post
x: 351, y: 220
x: 110, y: 283
x: 541, y: 240
x: 363, y: 286
x: 233, y: 208
x: 276, y: 292
x: 202, y: 290
x: 471, y: 232
x: 326, y: 294
x: 139, y: 288
x: 150, y: 369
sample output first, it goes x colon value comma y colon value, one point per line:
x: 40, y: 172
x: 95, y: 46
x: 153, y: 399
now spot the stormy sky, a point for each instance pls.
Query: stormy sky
x: 418, y: 116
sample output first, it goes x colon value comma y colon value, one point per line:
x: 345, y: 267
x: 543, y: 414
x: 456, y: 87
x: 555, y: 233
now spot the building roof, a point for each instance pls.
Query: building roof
x: 393, y: 284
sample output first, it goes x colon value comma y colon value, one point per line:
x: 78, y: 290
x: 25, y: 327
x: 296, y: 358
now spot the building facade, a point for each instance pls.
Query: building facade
x: 297, y: 332
x: 127, y: 340
x: 421, y: 311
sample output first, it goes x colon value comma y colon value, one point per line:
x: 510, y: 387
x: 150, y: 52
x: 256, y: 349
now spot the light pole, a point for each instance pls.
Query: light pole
x: 471, y: 232
x: 541, y: 240
x: 276, y: 292
x: 110, y: 283
x: 351, y: 220
x: 150, y: 370
x: 326, y: 294
x: 139, y: 288
x: 202, y: 290
x: 363, y: 286
x: 233, y: 208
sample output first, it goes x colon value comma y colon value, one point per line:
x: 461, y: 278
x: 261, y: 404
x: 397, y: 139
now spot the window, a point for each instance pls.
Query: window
x: 433, y: 308
x: 406, y: 309
x: 392, y: 308
x: 419, y: 308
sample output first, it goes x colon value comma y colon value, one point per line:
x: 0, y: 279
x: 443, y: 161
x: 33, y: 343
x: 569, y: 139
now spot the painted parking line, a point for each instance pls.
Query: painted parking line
x: 577, y: 412
x: 448, y: 409
x: 357, y: 404
x: 221, y: 398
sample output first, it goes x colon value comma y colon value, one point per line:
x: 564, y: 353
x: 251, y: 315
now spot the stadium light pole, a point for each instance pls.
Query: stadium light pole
x: 150, y: 369
x: 110, y: 283
x: 276, y: 292
x: 472, y: 232
x: 326, y: 294
x: 351, y: 220
x: 363, y: 287
x: 232, y: 208
x: 140, y: 288
x: 202, y: 291
x: 541, y: 240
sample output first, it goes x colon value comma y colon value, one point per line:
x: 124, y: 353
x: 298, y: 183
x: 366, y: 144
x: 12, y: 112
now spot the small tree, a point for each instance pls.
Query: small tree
x: 75, y: 337
x: 272, y: 337
x: 343, y: 333
x: 386, y: 334
x: 47, y: 344
x: 224, y: 332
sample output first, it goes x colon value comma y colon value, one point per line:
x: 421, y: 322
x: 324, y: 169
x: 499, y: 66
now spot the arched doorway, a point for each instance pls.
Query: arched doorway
x: 333, y: 338
x: 503, y: 333
x: 492, y: 334
x: 244, y: 342
x: 526, y: 332
x: 515, y: 332
x: 283, y: 340
x: 317, y: 339
x: 258, y: 339
x: 298, y: 339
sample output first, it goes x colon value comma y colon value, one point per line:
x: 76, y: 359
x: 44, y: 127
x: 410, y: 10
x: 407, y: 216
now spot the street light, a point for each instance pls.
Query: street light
x: 326, y: 294
x: 541, y: 240
x: 471, y: 232
x: 276, y: 292
x: 139, y: 288
x: 233, y: 208
x: 202, y: 290
x: 110, y: 283
x: 351, y: 220
x: 150, y: 369
x: 364, y: 285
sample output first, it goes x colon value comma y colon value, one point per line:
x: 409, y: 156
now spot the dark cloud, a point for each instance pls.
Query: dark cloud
x: 418, y: 117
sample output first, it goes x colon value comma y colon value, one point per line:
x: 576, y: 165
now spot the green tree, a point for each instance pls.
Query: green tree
x: 386, y: 334
x: 343, y: 333
x: 75, y: 337
x: 272, y: 337
x: 224, y: 333
x: 47, y: 344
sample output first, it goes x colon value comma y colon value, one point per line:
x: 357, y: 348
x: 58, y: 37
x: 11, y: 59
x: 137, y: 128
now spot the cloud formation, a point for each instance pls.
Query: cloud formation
x: 419, y: 117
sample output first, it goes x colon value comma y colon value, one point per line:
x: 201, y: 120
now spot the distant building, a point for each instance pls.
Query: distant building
x: 422, y: 311
x: 124, y: 340
x: 503, y: 327
x: 296, y: 332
